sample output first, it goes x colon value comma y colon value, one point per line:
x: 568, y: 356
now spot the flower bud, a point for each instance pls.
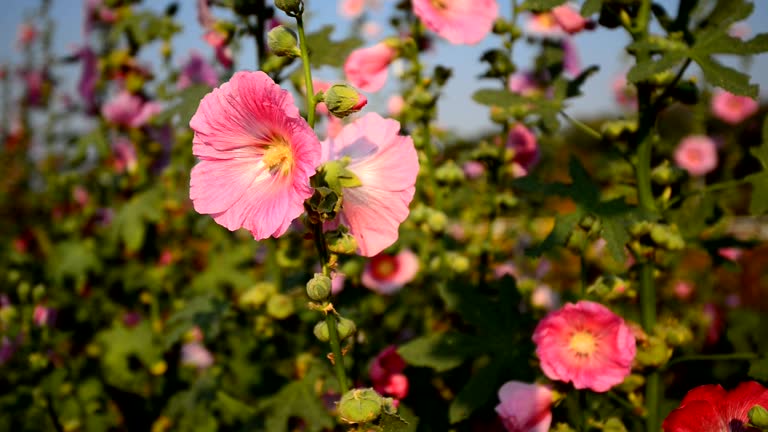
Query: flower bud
x: 341, y: 241
x: 360, y: 406
x: 667, y: 236
x: 280, y: 306
x: 291, y: 7
x: 343, y: 100
x: 282, y: 42
x: 666, y: 174
x: 758, y: 417
x: 449, y: 173
x: 319, y: 287
x: 631, y: 383
x: 654, y: 353
x: 346, y: 328
x: 256, y: 295
x: 321, y: 331
x: 437, y: 221
x: 614, y: 424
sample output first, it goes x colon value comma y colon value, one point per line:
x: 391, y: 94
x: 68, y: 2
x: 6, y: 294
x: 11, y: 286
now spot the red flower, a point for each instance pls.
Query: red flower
x: 709, y: 408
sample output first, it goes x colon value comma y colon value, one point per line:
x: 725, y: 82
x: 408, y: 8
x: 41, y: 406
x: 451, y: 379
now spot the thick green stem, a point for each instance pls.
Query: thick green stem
x: 338, y: 357
x: 648, y: 319
x: 311, y: 102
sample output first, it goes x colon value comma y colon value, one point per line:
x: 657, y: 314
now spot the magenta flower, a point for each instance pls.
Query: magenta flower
x: 197, y: 70
x: 387, y: 274
x: 525, y: 407
x: 587, y: 344
x: 89, y: 78
x: 473, y: 169
x: 387, y: 165
x: 386, y: 372
x: 524, y: 84
x: 366, y: 68
x: 523, y: 143
x: 458, y: 21
x: 696, y: 154
x: 731, y: 108
x: 36, y: 87
x: 256, y: 156
x: 96, y: 13
x: 129, y: 110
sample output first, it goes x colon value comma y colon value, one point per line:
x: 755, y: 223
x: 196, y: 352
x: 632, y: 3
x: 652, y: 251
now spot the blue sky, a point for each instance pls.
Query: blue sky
x: 456, y: 111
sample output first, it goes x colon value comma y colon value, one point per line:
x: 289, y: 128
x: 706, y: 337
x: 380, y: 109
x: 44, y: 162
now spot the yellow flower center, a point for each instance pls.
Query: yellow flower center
x: 583, y: 343
x: 439, y: 4
x: 278, y: 157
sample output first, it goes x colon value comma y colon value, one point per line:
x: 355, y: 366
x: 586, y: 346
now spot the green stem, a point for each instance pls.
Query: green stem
x: 338, y: 357
x: 711, y: 188
x: 712, y: 357
x: 274, y: 268
x: 583, y: 127
x: 311, y: 102
x: 583, y: 274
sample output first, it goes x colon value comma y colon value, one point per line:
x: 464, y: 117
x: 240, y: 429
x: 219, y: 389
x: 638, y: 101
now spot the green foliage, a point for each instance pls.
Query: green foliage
x: 326, y: 52
x: 132, y: 219
x: 540, y: 5
x: 759, y: 201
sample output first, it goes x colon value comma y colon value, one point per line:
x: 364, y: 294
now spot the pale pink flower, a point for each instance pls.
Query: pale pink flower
x: 351, y: 8
x: 96, y: 13
x: 473, y: 169
x: 387, y: 274
x: 387, y: 165
x: 544, y: 25
x: 386, y: 372
x: 523, y: 143
x: 195, y: 354
x: 27, y: 34
x: 81, y: 196
x: 334, y: 127
x: 683, y: 289
x: 525, y: 407
x: 196, y: 70
x: 218, y: 41
x: 569, y: 19
x: 740, y: 30
x: 587, y: 344
x: 125, y: 159
x: 731, y: 108
x: 337, y: 283
x: 130, y: 110
x: 395, y: 105
x: 256, y: 156
x: 458, y: 21
x: 371, y: 29
x: 571, y: 62
x: 696, y: 154
x: 204, y: 15
x: 507, y: 268
x: 544, y: 297
x: 524, y: 84
x: 624, y: 92
x: 366, y: 68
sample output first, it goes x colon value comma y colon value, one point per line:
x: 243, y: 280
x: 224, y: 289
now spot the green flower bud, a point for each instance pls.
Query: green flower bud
x: 501, y: 26
x: 666, y: 174
x: 256, y: 295
x: 667, y: 237
x: 437, y: 221
x: 282, y: 42
x: 341, y: 241
x: 38, y: 292
x: 758, y: 417
x: 449, y: 173
x: 291, y: 7
x: 632, y: 383
x: 321, y: 331
x: 360, y: 406
x: 319, y: 287
x: 457, y: 262
x: 343, y: 100
x: 613, y: 424
x: 419, y: 213
x: 280, y: 306
x: 654, y: 353
x: 346, y: 328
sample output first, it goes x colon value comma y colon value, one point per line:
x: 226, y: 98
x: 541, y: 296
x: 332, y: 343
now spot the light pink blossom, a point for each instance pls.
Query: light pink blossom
x: 571, y: 62
x: 387, y: 274
x: 524, y: 84
x: 395, y: 105
x: 473, y: 169
x: 569, y: 19
x: 740, y: 30
x: 587, y: 344
x: 544, y: 25
x: 387, y: 165
x: 731, y: 108
x: 731, y: 253
x: 525, y: 407
x: 624, y: 93
x: 256, y: 156
x: 196, y: 70
x: 351, y: 8
x: 525, y: 147
x: 544, y: 297
x: 195, y: 354
x: 130, y: 110
x: 125, y: 159
x: 696, y: 154
x: 458, y: 21
x: 366, y: 68
x: 683, y: 289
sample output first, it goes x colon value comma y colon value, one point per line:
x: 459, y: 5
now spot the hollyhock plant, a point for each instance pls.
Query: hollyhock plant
x: 386, y: 372
x: 731, y: 108
x: 710, y: 408
x: 366, y: 68
x: 458, y: 21
x: 386, y: 164
x: 525, y: 407
x: 525, y: 147
x: 388, y: 274
x: 697, y: 154
x: 129, y: 110
x: 587, y: 344
x: 256, y: 156
x: 197, y: 70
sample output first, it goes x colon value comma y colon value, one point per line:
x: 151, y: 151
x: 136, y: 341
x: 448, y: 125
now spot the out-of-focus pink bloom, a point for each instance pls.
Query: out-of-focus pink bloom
x: 218, y: 41
x: 366, y: 68
x: 740, y: 30
x: 473, y: 169
x: 523, y: 143
x: 166, y: 258
x: 571, y: 62
x: 334, y: 127
x: 543, y: 297
x: 543, y: 25
x: 81, y: 195
x: 89, y: 78
x: 525, y: 407
x: 43, y: 316
x: 569, y: 19
x: 683, y: 289
x: 27, y: 34
x: 96, y: 13
x: 371, y: 29
x: 386, y: 164
x: 624, y: 93
x: 130, y: 110
x: 458, y: 21
x: 204, y: 15
x: 524, y: 84
x: 715, y: 322
x: 125, y: 159
x: 696, y: 154
x: 710, y: 408
x: 195, y: 354
x: 197, y: 70
x: 587, y: 344
x: 337, y: 283
x: 388, y: 274
x: 507, y: 268
x: 351, y: 8
x: 395, y: 105
x: 35, y: 82
x: 730, y: 253
x: 731, y: 108
x: 386, y: 372
x: 321, y: 86
x: 256, y: 156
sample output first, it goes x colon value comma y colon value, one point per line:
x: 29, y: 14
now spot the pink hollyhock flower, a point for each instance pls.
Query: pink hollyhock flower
x: 458, y: 21
x: 696, y: 154
x: 544, y: 297
x: 89, y: 78
x: 507, y: 268
x: 386, y: 372
x: 710, y: 408
x: 130, y: 110
x: 730, y: 253
x: 35, y: 87
x: 95, y: 13
x: 473, y: 169
x: 683, y: 290
x: 218, y: 42
x: 256, y: 156
x: 524, y: 84
x: 197, y: 70
x: 204, y: 15
x: 387, y: 274
x: 195, y: 354
x: 740, y: 30
x: 523, y: 143
x: 387, y: 165
x: 27, y: 34
x: 351, y: 8
x: 624, y: 93
x: 569, y: 19
x: 731, y: 108
x: 525, y: 407
x: 366, y: 68
x: 337, y: 283
x: 571, y: 62
x: 81, y: 196
x: 543, y: 25
x: 43, y: 316
x: 371, y: 29
x: 587, y: 344
x: 395, y: 105
x: 321, y: 86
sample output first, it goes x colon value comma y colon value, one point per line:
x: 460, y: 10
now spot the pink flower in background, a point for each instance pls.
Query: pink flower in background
x: 195, y: 354
x: 35, y: 86
x: 524, y: 84
x: 731, y: 253
x: 544, y: 297
x: 740, y: 30
x: 473, y: 169
x: 96, y: 13
x: 204, y: 15
x: 543, y: 25
x: 458, y: 21
x: 710, y: 408
x: 43, y: 316
x: 568, y: 18
x: 89, y: 78
x: 256, y: 156
x: 371, y: 29
x: 507, y: 268
x: 387, y: 165
x: 337, y: 283
x: 386, y: 372
x: 525, y: 407
x: 624, y: 92
x: 321, y: 86
x: 130, y: 110
x: 731, y: 108
x: 587, y: 344
x: 197, y: 70
x: 366, y: 68
x: 351, y: 8
x: 218, y: 41
x: 696, y: 154
x: 523, y: 143
x: 387, y: 274
x: 571, y: 62
x: 27, y: 34
x: 125, y: 159
x: 395, y: 105
x: 683, y: 289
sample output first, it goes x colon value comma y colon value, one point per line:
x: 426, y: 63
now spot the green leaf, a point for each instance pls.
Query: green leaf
x: 644, y: 70
x: 725, y: 77
x: 758, y: 369
x: 541, y: 5
x: 296, y: 400
x: 441, y: 352
x: 496, y: 97
x: 564, y: 225
x: 574, y: 85
x: 727, y: 12
x: 120, y: 344
x: 591, y: 7
x: 72, y: 259
x: 759, y: 200
x: 205, y: 311
x: 325, y: 52
x: 188, y: 101
x: 720, y: 42
x: 131, y: 220
x: 478, y: 391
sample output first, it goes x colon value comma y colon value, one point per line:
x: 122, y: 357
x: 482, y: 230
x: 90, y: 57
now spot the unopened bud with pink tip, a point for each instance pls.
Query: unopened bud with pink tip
x: 343, y: 100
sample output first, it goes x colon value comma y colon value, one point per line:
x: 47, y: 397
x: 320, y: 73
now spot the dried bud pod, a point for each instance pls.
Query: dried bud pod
x: 291, y: 7
x: 319, y: 287
x: 282, y: 42
x: 321, y: 331
x: 346, y: 328
x: 360, y: 406
x: 280, y: 306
